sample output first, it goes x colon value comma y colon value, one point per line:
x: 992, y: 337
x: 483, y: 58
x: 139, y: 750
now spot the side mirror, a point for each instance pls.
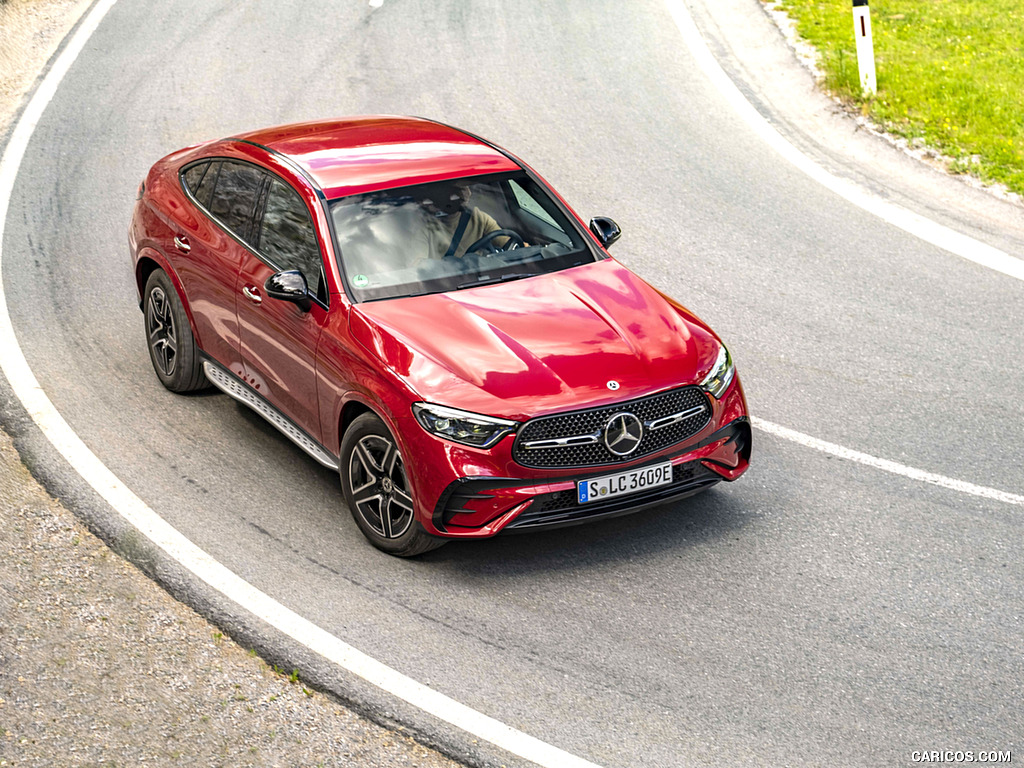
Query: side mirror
x: 289, y: 285
x: 606, y: 230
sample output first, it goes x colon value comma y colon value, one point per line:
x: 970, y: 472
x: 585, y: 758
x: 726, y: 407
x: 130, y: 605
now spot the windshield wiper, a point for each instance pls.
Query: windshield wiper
x: 498, y: 279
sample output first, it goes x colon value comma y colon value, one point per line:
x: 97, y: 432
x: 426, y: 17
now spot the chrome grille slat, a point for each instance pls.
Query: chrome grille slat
x: 675, y: 418
x: 669, y: 418
x: 562, y: 442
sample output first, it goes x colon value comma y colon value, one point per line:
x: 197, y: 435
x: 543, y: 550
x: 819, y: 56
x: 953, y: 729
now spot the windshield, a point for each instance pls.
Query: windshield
x: 450, y: 235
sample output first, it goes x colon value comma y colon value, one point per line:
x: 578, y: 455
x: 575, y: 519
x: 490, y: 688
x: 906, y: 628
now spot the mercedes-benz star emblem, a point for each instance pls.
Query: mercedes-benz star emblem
x: 613, y: 385
x: 623, y: 434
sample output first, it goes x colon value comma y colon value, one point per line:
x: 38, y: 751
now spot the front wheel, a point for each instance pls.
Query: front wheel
x: 377, y: 491
x: 172, y: 347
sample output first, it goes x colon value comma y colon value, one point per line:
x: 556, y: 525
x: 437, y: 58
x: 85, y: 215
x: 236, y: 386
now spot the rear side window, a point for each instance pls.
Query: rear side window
x: 287, y: 236
x: 194, y: 176
x: 234, y: 197
x: 200, y: 180
x: 204, y: 191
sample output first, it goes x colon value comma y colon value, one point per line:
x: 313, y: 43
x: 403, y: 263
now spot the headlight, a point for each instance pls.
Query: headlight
x: 721, y: 375
x: 462, y: 426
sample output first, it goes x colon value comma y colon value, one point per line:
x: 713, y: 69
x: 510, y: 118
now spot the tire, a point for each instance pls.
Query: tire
x: 377, y: 492
x: 172, y: 347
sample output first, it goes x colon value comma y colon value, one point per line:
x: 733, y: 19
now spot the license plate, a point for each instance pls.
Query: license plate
x: 622, y: 483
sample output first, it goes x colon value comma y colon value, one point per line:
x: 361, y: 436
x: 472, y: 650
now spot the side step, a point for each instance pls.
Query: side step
x: 231, y: 385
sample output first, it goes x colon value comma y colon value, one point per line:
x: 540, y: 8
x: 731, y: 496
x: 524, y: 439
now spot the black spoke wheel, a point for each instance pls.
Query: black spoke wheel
x: 379, y: 486
x: 377, y: 490
x: 163, y: 340
x: 172, y: 347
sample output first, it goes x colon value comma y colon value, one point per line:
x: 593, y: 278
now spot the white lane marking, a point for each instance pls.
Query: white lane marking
x: 930, y: 231
x: 162, y: 534
x: 376, y: 3
x: 885, y: 465
x: 919, y: 226
x: 42, y: 411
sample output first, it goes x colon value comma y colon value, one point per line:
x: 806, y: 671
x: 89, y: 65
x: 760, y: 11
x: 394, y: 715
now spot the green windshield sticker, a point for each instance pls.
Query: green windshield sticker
x: 360, y: 281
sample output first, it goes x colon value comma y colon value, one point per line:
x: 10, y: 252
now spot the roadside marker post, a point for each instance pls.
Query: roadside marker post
x: 865, y: 46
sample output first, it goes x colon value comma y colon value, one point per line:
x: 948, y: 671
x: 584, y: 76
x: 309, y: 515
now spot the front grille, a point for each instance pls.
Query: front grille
x: 563, y: 507
x: 590, y: 423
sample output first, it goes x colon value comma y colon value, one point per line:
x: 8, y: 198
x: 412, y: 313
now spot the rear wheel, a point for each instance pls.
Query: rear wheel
x: 377, y: 491
x: 172, y: 348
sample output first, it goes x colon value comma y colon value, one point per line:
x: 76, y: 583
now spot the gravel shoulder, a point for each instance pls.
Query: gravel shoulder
x: 99, y: 666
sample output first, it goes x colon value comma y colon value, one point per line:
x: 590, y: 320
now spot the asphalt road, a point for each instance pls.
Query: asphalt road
x: 816, y: 611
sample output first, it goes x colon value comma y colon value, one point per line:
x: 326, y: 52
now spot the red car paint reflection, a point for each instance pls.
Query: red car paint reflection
x: 415, y: 307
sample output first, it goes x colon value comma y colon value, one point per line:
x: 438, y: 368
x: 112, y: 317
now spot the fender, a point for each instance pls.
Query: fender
x: 368, y: 400
x: 153, y: 255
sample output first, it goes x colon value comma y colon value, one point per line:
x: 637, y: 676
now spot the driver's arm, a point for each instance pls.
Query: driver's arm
x: 480, y: 224
x: 487, y: 225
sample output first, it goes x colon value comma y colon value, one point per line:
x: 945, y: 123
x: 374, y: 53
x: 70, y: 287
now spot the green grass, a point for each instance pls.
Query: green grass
x: 950, y: 73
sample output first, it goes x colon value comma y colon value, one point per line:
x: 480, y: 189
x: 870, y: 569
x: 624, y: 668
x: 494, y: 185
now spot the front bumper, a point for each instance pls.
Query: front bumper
x: 531, y: 506
x: 462, y: 492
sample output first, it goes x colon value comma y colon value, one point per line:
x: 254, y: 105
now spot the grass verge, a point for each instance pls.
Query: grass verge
x: 950, y: 75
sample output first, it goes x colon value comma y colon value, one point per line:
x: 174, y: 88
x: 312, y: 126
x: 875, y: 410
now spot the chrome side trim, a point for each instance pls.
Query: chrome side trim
x: 232, y: 386
x: 673, y: 418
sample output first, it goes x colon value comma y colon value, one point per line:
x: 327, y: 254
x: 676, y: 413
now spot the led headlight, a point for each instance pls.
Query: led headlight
x: 721, y: 375
x: 462, y: 426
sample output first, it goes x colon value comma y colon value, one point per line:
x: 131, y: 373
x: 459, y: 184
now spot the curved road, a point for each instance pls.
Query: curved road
x: 817, y: 611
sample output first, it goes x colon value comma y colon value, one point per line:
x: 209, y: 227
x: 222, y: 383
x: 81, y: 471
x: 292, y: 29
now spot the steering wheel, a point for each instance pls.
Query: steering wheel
x: 487, y: 241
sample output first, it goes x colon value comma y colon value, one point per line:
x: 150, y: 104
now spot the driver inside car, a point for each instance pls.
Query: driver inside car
x: 453, y: 224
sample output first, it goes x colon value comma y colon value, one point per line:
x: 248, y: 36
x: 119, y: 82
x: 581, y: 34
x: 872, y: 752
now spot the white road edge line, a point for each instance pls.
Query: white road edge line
x: 930, y: 231
x: 885, y: 465
x: 923, y: 228
x: 29, y: 392
x: 202, y: 565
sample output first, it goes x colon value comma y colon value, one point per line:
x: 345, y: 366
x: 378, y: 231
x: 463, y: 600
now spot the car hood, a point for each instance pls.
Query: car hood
x: 541, y: 344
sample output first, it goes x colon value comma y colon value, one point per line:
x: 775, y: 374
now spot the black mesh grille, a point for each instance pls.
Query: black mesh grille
x: 593, y: 422
x: 563, y: 508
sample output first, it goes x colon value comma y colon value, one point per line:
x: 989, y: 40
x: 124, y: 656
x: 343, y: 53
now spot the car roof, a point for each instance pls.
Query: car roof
x: 364, y: 154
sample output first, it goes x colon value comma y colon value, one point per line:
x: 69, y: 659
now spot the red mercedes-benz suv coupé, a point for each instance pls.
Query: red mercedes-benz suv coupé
x: 417, y: 308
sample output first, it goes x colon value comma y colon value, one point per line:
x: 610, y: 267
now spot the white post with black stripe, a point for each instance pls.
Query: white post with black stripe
x: 865, y: 47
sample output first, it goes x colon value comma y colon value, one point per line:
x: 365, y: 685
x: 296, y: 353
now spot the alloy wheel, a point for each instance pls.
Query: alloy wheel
x: 163, y: 338
x: 379, y: 487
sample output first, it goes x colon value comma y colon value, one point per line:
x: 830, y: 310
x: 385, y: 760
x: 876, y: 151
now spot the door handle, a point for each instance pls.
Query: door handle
x: 252, y: 293
x: 181, y: 243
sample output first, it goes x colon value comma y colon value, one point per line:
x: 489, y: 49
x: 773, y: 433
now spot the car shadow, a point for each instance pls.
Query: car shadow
x: 272, y: 433
x: 199, y: 394
x: 674, y: 526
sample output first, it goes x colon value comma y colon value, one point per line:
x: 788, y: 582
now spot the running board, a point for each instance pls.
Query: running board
x: 234, y: 387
